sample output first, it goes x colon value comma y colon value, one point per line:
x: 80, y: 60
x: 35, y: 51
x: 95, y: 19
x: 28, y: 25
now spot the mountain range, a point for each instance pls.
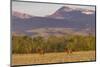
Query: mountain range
x: 65, y: 20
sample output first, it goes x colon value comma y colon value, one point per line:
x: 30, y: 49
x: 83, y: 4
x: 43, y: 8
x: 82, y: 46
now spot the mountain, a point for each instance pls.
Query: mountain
x: 20, y: 15
x: 78, y: 20
x: 72, y: 13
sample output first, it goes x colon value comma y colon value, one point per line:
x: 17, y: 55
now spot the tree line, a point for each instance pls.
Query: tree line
x: 27, y: 44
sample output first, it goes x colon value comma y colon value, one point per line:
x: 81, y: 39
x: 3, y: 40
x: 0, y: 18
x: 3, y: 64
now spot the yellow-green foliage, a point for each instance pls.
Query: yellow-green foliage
x: 26, y: 44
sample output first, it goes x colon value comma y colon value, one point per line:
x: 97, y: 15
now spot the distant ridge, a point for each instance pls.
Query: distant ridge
x: 21, y: 15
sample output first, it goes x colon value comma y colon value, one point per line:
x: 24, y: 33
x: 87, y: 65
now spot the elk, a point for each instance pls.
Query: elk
x: 69, y: 51
x: 40, y: 51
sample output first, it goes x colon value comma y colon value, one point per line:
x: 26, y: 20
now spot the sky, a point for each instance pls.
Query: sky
x: 42, y: 9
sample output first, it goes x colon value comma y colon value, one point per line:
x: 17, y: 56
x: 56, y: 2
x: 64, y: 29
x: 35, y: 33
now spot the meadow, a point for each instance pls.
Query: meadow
x: 58, y: 57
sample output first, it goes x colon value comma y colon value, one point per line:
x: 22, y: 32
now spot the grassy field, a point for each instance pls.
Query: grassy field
x: 23, y: 59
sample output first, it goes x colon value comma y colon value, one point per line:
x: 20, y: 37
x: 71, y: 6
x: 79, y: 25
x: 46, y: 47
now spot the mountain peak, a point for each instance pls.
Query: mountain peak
x: 66, y: 9
x: 71, y: 13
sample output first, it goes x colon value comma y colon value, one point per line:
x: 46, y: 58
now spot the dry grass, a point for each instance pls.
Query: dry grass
x: 23, y: 59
